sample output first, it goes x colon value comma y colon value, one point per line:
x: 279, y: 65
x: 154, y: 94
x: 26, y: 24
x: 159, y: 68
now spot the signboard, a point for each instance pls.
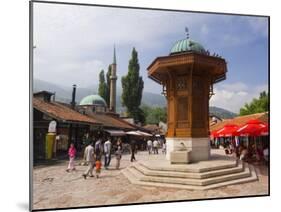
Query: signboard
x: 46, y: 117
x: 52, y: 127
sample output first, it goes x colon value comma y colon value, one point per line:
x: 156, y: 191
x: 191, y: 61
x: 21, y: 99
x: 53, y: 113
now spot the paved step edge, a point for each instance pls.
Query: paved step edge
x: 186, y: 181
x: 253, y: 177
x: 193, y: 175
x: 192, y: 170
x: 202, y: 182
x: 134, y: 180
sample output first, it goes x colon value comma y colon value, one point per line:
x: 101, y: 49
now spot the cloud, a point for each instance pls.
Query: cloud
x: 70, y: 38
x: 235, y: 31
x: 259, y: 25
x: 242, y: 93
x: 233, y: 96
x: 96, y: 27
x: 237, y: 86
x: 71, y: 71
x: 204, y: 30
x: 75, y: 42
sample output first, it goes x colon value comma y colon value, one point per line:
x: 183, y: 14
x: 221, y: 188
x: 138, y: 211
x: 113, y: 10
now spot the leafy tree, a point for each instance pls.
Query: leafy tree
x: 256, y: 105
x: 107, y: 99
x: 102, y: 85
x: 132, y: 85
x: 153, y: 115
x: 138, y: 115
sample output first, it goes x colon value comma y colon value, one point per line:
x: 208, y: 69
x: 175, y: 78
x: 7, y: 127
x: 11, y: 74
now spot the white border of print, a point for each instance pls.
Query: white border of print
x: 15, y: 103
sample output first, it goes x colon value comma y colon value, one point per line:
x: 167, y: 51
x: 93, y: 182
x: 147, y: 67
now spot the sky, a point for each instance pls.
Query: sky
x: 74, y: 43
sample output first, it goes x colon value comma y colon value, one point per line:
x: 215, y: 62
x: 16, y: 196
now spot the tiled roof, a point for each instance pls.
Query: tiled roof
x: 61, y: 112
x: 110, y: 121
x: 241, y: 120
x: 151, y: 127
x: 154, y: 128
x: 135, y: 126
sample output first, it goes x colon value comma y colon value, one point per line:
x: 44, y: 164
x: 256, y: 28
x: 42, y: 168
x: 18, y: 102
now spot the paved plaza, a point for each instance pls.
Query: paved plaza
x: 53, y: 187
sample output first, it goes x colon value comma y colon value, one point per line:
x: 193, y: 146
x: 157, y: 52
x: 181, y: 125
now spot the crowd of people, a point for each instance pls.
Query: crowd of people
x: 154, y: 144
x: 93, y: 153
x: 103, y: 147
x: 244, y: 152
x: 95, y: 150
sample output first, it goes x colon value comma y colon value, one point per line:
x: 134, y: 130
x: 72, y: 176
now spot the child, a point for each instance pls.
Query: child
x: 98, y: 167
x: 71, y: 154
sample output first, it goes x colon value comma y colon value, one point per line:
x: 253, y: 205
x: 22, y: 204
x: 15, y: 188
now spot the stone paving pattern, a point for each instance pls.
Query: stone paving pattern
x: 53, y: 187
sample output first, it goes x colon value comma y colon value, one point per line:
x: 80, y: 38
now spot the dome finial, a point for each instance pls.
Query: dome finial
x: 187, y: 32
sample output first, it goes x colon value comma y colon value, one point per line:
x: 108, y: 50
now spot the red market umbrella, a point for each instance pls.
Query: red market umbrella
x: 228, y: 130
x: 214, y: 133
x: 263, y: 131
x: 251, y: 128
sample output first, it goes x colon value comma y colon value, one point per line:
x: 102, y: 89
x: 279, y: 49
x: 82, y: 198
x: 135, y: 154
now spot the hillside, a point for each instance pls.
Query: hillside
x: 64, y: 93
x: 222, y: 113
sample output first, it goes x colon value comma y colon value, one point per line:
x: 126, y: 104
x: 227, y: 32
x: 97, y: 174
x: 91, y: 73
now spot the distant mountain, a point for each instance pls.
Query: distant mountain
x: 64, y: 93
x: 222, y: 113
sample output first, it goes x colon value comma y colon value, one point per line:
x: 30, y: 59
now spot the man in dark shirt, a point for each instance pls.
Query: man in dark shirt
x: 133, y: 148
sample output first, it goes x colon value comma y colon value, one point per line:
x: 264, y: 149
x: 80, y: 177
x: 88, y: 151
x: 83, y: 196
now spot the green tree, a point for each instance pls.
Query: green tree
x: 132, y: 85
x: 102, y: 85
x: 108, y: 73
x: 153, y: 115
x: 256, y: 105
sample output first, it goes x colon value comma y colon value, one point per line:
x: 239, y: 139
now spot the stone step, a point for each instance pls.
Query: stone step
x: 201, y: 182
x: 194, y: 167
x: 192, y: 181
x: 134, y: 178
x: 195, y: 175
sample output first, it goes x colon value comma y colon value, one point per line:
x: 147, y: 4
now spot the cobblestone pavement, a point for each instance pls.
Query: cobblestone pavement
x: 53, y: 187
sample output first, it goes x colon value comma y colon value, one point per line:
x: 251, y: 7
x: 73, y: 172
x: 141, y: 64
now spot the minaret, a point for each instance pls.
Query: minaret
x: 113, y: 79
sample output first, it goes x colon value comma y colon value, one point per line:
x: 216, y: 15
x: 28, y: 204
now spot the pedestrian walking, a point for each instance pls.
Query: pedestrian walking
x: 107, y: 153
x: 149, y: 146
x: 118, y: 154
x: 133, y: 149
x: 164, y: 148
x: 55, y: 145
x: 266, y: 155
x: 155, y: 146
x: 98, y: 167
x: 217, y: 143
x: 71, y: 154
x: 89, y: 156
x: 98, y: 148
x: 243, y: 153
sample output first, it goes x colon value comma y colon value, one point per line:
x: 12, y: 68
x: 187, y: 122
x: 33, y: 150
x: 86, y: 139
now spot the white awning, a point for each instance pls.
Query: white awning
x: 133, y: 133
x: 116, y: 132
x: 144, y: 133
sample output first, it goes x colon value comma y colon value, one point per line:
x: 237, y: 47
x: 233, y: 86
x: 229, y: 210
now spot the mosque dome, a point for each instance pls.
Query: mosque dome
x: 93, y: 100
x: 187, y: 45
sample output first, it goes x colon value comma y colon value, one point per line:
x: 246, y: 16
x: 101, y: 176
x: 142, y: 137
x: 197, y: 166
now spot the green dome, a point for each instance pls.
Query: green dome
x: 93, y: 100
x: 187, y: 45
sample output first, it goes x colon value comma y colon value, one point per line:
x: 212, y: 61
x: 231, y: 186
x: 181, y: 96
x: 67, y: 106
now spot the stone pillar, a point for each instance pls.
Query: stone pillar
x: 113, y: 79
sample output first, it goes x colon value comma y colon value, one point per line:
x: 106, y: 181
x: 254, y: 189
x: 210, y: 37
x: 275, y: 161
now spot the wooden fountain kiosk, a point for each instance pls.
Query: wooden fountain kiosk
x: 187, y: 75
